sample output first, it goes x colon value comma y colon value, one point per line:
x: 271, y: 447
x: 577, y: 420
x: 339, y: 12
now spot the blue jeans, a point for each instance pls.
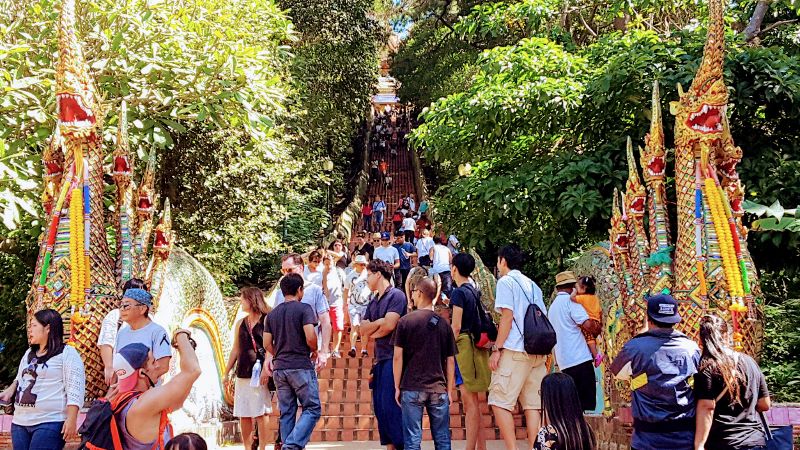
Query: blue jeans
x: 368, y: 223
x: 44, y: 436
x: 438, y: 407
x: 297, y: 385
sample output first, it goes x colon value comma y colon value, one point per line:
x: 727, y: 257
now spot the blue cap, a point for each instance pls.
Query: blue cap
x: 386, y: 235
x: 140, y: 295
x: 663, y: 308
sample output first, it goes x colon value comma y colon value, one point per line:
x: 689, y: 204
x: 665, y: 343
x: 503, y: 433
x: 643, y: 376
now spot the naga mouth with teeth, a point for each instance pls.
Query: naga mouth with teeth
x: 707, y: 120
x: 637, y: 206
x: 73, y: 112
x: 145, y: 205
x: 656, y: 167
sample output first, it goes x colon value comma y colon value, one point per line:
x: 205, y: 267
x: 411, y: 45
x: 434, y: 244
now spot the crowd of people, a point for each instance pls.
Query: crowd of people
x: 423, y: 348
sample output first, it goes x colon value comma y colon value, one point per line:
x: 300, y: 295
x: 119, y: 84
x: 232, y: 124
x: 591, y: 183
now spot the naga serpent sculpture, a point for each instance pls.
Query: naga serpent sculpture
x: 76, y: 273
x: 712, y: 270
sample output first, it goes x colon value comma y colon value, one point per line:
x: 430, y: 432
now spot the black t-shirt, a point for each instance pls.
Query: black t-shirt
x: 735, y: 426
x: 285, y: 323
x: 427, y: 341
x: 393, y: 300
x: 248, y: 354
x: 465, y: 297
x: 367, y: 250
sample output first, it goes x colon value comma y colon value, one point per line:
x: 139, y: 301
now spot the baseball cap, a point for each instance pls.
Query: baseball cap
x: 360, y: 259
x: 663, y: 308
x: 386, y: 235
x: 127, y: 362
x: 139, y: 295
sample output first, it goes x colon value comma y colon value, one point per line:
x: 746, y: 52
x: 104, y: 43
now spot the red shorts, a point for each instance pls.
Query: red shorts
x: 337, y: 318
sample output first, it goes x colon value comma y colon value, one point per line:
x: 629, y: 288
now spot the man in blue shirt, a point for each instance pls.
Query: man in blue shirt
x: 379, y: 323
x: 660, y: 364
x: 406, y: 251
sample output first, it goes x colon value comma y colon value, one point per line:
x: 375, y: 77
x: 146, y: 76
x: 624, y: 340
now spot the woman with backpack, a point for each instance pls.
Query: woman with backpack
x: 49, y: 387
x: 563, y: 424
x: 252, y: 402
x: 472, y: 361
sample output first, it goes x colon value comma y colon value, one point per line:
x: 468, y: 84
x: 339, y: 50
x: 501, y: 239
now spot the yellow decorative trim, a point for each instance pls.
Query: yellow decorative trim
x: 200, y: 317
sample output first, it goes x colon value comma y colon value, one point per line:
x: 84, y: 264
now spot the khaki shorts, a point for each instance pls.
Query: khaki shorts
x: 518, y: 378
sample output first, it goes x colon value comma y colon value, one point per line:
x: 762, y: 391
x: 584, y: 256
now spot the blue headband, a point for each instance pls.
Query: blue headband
x: 140, y: 295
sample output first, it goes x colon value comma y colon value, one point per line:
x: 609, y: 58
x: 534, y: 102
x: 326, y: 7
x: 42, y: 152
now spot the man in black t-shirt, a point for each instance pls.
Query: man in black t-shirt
x: 289, y: 335
x: 424, y: 369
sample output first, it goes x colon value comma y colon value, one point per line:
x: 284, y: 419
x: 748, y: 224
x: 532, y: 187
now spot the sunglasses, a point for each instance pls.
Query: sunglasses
x: 127, y: 306
x: 289, y: 270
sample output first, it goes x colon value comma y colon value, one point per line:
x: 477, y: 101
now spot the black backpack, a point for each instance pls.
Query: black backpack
x: 483, y: 323
x: 538, y: 334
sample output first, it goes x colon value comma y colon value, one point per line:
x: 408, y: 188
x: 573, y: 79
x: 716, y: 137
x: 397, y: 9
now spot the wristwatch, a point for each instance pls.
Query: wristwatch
x: 496, y: 349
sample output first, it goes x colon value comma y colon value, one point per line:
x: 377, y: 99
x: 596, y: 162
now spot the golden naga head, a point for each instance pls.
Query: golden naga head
x: 653, y: 156
x: 77, y: 101
x: 164, y: 237
x: 700, y: 112
x: 619, y: 231
x: 122, y: 171
x: 635, y: 194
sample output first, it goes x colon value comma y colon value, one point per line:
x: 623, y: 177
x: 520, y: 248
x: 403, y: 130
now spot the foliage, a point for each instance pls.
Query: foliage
x: 782, y: 344
x: 12, y: 308
x: 334, y: 72
x: 233, y: 200
x: 545, y: 128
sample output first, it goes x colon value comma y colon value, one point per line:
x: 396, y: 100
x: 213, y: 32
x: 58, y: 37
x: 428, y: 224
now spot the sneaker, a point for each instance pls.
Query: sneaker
x: 336, y: 355
x: 364, y: 353
x: 598, y: 360
x: 352, y: 352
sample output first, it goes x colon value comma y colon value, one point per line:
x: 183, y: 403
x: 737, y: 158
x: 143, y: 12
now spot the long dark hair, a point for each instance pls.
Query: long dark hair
x: 187, y: 441
x: 55, y: 337
x: 717, y: 356
x: 562, y: 408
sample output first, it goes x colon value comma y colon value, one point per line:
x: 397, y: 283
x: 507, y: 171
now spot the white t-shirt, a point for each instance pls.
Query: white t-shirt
x: 153, y: 335
x: 515, y: 291
x: 358, y: 289
x: 335, y: 286
x: 409, y: 224
x: 441, y: 259
x: 424, y: 246
x: 44, y: 390
x: 566, y: 316
x: 388, y: 254
x: 315, y: 276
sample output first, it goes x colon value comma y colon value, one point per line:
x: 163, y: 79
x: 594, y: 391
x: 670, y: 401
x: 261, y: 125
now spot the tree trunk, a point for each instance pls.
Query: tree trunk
x: 754, y: 26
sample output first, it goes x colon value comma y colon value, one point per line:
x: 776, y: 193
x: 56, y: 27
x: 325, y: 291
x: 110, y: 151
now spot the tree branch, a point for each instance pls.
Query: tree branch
x: 775, y: 25
x: 754, y: 25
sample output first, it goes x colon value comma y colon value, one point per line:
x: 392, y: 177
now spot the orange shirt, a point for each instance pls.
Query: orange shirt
x: 591, y: 303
